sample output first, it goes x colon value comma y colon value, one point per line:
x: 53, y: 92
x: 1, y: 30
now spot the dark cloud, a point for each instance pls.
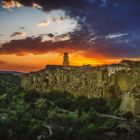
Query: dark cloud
x: 55, y: 4
x: 35, y: 45
x: 48, y: 5
x: 98, y: 19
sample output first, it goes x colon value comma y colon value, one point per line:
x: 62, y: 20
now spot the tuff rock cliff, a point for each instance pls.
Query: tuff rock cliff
x: 108, y: 81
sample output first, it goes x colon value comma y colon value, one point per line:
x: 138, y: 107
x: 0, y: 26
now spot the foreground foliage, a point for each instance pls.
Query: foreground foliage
x: 29, y: 115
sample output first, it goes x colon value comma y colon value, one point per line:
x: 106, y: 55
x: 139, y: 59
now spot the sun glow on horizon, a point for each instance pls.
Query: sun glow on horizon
x: 32, y: 62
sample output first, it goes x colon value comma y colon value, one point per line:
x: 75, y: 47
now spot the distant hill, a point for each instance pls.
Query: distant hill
x: 12, y: 72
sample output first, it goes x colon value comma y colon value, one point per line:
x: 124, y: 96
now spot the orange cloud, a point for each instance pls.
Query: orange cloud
x: 11, y: 4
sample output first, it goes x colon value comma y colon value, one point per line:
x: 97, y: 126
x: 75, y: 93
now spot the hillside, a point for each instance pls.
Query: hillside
x: 12, y: 72
x: 8, y: 82
x: 32, y: 115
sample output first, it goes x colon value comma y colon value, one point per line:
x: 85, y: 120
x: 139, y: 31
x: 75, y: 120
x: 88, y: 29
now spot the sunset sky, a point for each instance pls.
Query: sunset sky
x: 34, y: 33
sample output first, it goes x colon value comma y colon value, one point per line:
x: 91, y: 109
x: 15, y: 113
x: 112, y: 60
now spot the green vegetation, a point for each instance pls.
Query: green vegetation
x: 29, y: 115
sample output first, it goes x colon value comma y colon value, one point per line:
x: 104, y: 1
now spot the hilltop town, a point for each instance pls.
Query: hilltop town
x: 109, y: 81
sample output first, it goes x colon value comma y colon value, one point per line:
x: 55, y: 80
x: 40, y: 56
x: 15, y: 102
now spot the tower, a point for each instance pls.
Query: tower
x: 65, y: 59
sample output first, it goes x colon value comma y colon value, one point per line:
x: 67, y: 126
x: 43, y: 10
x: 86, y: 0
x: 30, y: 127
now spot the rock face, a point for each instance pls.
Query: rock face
x: 131, y: 101
x: 105, y: 81
x: 108, y: 81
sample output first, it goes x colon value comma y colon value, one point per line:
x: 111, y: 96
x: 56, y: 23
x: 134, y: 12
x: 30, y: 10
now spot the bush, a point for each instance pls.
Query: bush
x: 98, y: 103
x: 31, y: 96
x: 113, y: 104
x: 128, y: 116
x: 88, y: 133
x: 54, y: 95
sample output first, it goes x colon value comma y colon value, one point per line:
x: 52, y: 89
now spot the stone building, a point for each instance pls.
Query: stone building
x: 109, y: 81
x: 66, y: 60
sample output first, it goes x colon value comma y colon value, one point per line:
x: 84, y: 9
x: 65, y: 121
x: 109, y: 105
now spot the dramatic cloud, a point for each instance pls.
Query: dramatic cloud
x: 107, y: 27
x: 37, y: 46
x: 11, y: 4
x: 50, y: 4
x: 20, y: 34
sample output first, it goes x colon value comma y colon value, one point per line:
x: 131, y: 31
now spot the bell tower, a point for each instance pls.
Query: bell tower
x: 65, y: 59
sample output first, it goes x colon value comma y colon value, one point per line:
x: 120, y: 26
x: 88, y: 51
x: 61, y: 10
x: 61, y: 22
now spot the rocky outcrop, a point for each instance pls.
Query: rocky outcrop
x: 131, y: 101
x: 109, y: 81
x: 105, y: 81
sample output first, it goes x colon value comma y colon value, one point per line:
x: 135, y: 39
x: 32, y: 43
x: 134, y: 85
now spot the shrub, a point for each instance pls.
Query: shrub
x: 128, y: 115
x: 31, y: 96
